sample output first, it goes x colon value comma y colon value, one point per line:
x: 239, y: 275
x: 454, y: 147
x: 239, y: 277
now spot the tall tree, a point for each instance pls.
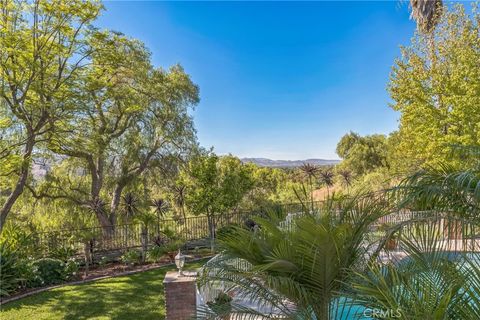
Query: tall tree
x: 426, y: 13
x: 362, y: 154
x: 438, y: 102
x: 327, y: 178
x: 215, y: 185
x: 310, y: 171
x: 43, y: 49
x: 130, y: 116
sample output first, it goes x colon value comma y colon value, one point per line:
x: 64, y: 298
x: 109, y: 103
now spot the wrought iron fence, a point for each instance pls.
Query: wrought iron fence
x: 192, y: 230
x: 136, y: 235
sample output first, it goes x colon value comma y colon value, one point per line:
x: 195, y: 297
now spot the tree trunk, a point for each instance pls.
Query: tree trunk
x: 117, y: 193
x: 20, y: 185
x: 322, y: 311
x: 87, y: 256
x: 211, y: 229
x: 144, y: 242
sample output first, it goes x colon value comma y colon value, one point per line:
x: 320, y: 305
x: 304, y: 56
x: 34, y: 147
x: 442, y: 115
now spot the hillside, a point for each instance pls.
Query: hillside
x: 264, y: 162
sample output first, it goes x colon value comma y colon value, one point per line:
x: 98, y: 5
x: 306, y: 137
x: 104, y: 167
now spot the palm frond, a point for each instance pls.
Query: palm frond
x: 299, y: 268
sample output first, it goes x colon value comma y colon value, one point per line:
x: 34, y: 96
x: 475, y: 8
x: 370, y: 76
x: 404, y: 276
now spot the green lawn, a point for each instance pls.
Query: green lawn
x: 137, y: 296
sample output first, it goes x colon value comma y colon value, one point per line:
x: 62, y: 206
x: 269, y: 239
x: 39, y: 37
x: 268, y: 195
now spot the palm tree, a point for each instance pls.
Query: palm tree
x: 297, y: 269
x: 443, y: 188
x: 426, y: 14
x: 179, y: 198
x: 310, y: 172
x: 347, y: 178
x: 327, y: 178
x: 130, y: 204
x: 161, y: 208
x: 431, y: 283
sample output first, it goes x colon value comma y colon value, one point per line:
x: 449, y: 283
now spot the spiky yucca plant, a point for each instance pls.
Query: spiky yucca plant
x: 327, y: 178
x: 347, y: 178
x: 309, y: 171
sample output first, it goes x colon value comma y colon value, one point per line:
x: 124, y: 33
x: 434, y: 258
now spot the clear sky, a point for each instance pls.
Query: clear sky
x: 282, y: 80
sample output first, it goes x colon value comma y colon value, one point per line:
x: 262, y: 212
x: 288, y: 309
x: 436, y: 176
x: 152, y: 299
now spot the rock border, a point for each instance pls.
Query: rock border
x: 121, y: 274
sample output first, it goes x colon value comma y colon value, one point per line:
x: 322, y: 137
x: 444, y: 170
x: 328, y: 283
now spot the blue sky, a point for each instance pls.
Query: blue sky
x: 282, y: 80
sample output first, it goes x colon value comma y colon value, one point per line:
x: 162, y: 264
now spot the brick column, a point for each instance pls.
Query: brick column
x: 180, y: 295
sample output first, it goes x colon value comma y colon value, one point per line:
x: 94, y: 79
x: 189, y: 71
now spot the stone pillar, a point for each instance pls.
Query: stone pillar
x: 180, y: 295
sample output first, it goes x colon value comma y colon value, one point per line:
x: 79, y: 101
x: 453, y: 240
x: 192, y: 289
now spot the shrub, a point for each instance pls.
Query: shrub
x: 173, y: 246
x: 20, y: 241
x: 62, y: 253
x: 160, y: 240
x: 48, y: 271
x: 155, y: 253
x: 221, y: 305
x: 10, y: 276
x: 103, y: 261
x: 225, y: 230
x: 131, y: 257
x: 71, y: 268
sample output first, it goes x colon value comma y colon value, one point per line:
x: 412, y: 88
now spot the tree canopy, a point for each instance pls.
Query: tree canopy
x: 362, y: 154
x: 435, y: 87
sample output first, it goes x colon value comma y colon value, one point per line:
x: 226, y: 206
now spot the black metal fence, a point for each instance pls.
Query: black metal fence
x: 194, y: 231
x: 136, y: 235
x: 126, y: 236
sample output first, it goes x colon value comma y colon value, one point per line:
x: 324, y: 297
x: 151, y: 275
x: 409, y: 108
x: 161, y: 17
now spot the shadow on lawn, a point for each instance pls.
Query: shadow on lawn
x: 138, y: 296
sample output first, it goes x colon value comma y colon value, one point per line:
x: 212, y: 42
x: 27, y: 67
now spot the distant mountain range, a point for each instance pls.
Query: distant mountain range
x: 264, y: 162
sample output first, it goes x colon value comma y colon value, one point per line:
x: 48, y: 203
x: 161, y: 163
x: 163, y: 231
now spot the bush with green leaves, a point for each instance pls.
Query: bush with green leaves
x: 173, y: 246
x: 63, y: 253
x: 10, y: 277
x: 16, y: 252
x: 221, y: 306
x: 225, y: 230
x: 131, y: 257
x: 71, y: 268
x: 48, y: 271
x: 103, y: 261
x: 155, y: 253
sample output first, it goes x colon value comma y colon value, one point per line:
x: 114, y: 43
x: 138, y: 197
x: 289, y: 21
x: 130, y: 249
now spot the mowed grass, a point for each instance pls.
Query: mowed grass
x: 137, y: 296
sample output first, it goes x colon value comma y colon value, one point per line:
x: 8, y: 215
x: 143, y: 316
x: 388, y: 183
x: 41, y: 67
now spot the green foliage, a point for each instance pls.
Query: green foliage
x: 103, y: 112
x: 173, y: 246
x: 221, y: 305
x: 362, y: 154
x: 441, y: 188
x: 10, y: 278
x: 131, y: 257
x: 430, y: 283
x: 48, y: 271
x: 44, y: 48
x: 225, y: 230
x: 63, y: 253
x: 169, y: 233
x: 215, y: 185
x: 71, y: 268
x: 139, y: 295
x: 307, y: 261
x: 434, y: 86
x: 102, y: 262
x: 155, y: 253
x: 19, y: 240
